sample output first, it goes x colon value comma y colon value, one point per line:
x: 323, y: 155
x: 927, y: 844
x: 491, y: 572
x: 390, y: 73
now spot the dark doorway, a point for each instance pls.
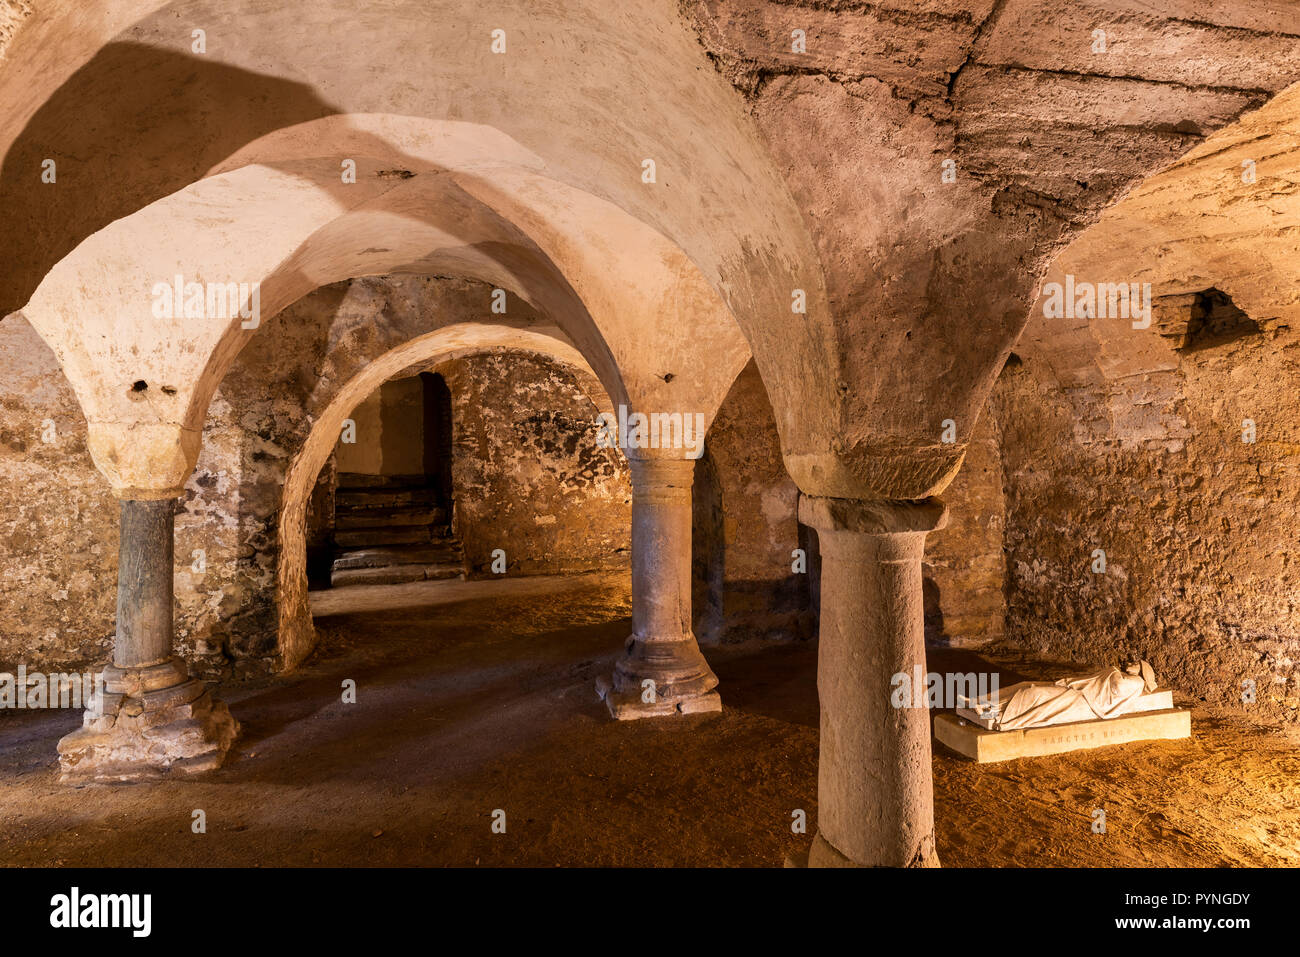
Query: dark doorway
x: 437, y: 437
x: 394, y: 498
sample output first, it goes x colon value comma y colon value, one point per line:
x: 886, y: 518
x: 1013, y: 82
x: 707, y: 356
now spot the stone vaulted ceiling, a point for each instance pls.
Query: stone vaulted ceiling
x: 1049, y: 113
x: 915, y: 167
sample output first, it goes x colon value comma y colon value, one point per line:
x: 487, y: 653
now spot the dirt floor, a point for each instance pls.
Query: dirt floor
x: 478, y: 696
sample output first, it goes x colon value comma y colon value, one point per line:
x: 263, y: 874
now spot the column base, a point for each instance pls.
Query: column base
x: 825, y: 854
x: 136, y: 730
x: 683, y: 680
x: 628, y: 706
x: 676, y: 666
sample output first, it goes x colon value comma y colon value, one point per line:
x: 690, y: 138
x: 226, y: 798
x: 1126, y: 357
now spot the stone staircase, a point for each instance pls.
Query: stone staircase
x: 389, y: 530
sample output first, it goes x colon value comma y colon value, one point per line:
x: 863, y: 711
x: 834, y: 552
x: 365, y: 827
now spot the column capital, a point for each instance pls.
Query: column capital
x: 880, y: 471
x: 667, y: 458
x: 872, y: 516
x: 661, y: 478
x: 144, y: 462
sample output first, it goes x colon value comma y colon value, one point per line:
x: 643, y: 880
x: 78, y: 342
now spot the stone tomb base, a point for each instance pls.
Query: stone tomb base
x: 984, y: 746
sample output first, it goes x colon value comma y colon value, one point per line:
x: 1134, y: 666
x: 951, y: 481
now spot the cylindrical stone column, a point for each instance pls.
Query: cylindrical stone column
x: 150, y: 717
x: 875, y: 796
x: 662, y: 648
x: 144, y: 583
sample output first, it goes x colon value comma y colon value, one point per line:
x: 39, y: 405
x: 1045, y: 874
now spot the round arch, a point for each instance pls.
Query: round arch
x: 652, y: 325
x: 296, y: 636
x: 1225, y: 216
x: 550, y: 123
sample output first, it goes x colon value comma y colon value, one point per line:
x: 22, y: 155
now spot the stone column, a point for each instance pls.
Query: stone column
x: 662, y: 648
x: 151, y: 716
x: 875, y: 795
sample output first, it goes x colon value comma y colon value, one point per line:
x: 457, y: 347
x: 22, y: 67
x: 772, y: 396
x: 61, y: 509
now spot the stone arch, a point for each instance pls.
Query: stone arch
x: 745, y: 524
x: 1222, y: 217
x: 295, y: 634
x: 615, y: 285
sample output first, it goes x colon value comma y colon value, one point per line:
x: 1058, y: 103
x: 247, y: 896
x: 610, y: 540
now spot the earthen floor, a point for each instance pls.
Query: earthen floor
x: 478, y: 696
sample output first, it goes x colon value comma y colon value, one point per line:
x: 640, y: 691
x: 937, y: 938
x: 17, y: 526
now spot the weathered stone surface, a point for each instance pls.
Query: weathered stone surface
x: 984, y: 747
x: 929, y: 281
x: 181, y: 729
x: 745, y: 527
x: 58, y: 520
x: 528, y: 473
x: 1196, y: 524
x: 632, y: 706
x: 965, y: 569
x: 1132, y: 439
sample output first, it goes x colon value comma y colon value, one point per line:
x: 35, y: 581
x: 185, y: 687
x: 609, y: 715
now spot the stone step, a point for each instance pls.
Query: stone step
x: 395, y: 574
x: 365, y: 498
x: 419, y: 554
x: 379, y: 536
x: 388, y: 517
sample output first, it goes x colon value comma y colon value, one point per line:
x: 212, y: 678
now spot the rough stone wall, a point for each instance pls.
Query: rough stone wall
x: 746, y: 528
x: 708, y: 550
x: 527, y: 473
x: 1197, y: 526
x: 58, y: 520
x: 225, y: 614
x: 964, y: 565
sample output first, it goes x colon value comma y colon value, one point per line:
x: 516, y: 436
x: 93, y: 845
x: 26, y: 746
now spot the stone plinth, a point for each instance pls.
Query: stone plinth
x: 630, y: 705
x: 985, y: 747
x: 145, y: 724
